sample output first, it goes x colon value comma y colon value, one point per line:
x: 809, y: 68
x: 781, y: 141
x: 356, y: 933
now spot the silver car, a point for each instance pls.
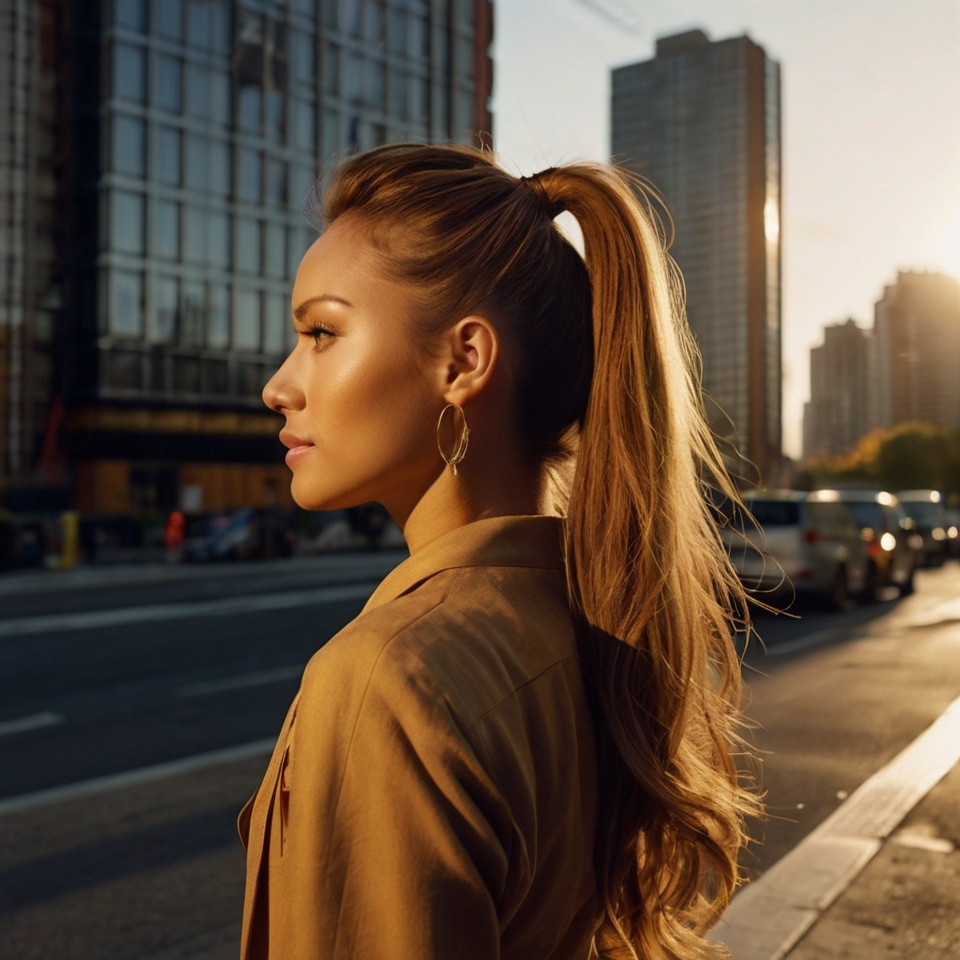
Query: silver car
x: 808, y: 542
x: 892, y: 541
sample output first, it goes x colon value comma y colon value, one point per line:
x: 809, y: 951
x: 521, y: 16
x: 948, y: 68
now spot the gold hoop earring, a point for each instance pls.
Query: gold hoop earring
x: 461, y: 449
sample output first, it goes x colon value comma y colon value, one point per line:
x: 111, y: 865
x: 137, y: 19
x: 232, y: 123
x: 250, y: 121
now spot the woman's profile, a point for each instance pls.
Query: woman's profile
x: 522, y: 747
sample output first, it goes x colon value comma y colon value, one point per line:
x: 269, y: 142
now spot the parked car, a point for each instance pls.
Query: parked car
x: 953, y: 532
x: 891, y: 537
x: 241, y: 535
x: 927, y: 509
x: 808, y: 542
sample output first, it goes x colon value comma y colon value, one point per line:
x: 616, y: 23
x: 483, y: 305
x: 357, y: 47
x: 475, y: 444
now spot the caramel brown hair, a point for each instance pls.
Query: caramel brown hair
x: 607, y: 397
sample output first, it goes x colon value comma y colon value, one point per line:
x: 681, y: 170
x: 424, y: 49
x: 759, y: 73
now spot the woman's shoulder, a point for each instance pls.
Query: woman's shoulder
x: 469, y: 635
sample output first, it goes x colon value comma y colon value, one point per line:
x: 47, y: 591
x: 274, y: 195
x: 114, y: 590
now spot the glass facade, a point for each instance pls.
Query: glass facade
x: 216, y: 120
x: 701, y: 121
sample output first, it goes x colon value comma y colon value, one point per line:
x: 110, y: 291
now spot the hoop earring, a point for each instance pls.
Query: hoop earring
x: 461, y: 449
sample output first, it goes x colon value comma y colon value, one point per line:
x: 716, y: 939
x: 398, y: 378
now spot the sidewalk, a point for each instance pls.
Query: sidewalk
x: 879, y: 878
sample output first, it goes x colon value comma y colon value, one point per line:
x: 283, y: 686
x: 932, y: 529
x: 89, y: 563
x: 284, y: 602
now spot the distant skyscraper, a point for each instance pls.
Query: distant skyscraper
x: 839, y: 411
x: 701, y: 121
x: 187, y: 133
x: 917, y: 327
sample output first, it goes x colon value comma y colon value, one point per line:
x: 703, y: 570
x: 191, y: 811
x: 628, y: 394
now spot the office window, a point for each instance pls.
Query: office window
x: 200, y: 23
x: 304, y: 132
x: 331, y: 69
x: 247, y: 253
x: 165, y: 229
x: 129, y: 145
x: 168, y: 19
x: 219, y: 177
x: 376, y: 84
x: 246, y: 319
x: 302, y: 180
x: 218, y: 239
x: 302, y: 57
x: 419, y: 37
x: 275, y: 259
x: 162, y: 323
x: 199, y: 93
x: 373, y: 22
x: 218, y: 319
x: 274, y: 108
x: 166, y: 155
x: 168, y: 89
x: 129, y: 72
x: 397, y: 31
x: 248, y: 108
x: 194, y: 235
x: 353, y: 81
x: 397, y: 93
x: 275, y: 181
x: 193, y: 312
x: 186, y: 374
x: 126, y: 221
x: 131, y: 14
x: 275, y: 322
x: 220, y: 98
x: 126, y: 303
x: 249, y: 175
x: 198, y: 162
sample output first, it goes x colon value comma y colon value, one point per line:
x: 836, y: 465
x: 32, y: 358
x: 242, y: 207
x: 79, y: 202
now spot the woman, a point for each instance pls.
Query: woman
x: 522, y: 746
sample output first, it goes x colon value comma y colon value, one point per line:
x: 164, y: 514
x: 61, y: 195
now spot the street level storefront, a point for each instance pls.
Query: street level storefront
x: 130, y: 460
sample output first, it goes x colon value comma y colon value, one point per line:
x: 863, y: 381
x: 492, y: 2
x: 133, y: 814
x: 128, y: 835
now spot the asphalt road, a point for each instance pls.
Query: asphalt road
x: 129, y: 675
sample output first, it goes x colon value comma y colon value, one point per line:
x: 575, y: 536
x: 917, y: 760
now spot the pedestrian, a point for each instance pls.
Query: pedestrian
x: 522, y: 747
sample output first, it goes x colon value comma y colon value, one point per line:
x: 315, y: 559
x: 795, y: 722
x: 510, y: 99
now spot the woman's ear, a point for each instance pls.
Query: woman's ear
x: 471, y: 354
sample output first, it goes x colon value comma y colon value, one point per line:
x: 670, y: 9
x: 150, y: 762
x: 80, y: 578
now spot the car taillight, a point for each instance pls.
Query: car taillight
x: 811, y: 536
x: 874, y: 549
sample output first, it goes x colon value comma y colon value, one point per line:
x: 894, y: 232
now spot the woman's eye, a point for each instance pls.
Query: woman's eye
x: 319, y: 334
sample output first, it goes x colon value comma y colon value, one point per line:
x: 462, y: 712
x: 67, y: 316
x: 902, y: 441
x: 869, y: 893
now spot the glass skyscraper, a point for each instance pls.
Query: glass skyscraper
x: 189, y: 133
x: 701, y: 121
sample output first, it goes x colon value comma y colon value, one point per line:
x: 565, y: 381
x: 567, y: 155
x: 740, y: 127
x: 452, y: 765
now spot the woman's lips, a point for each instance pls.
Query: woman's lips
x: 298, y: 452
x: 298, y: 447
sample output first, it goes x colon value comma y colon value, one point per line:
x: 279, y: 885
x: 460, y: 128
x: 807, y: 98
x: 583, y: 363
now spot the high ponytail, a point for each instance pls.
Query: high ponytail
x: 607, y: 399
x: 655, y: 639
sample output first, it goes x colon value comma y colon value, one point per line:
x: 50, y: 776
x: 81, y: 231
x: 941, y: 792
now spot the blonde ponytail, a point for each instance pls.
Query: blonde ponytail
x: 653, y: 592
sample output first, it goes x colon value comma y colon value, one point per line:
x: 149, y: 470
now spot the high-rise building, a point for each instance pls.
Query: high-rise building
x: 917, y: 327
x: 839, y: 411
x: 187, y: 133
x: 701, y: 122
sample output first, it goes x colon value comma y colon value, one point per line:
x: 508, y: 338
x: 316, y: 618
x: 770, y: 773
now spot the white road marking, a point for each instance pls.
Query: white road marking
x: 767, y: 918
x: 93, y: 619
x: 133, y: 778
x: 238, y: 682
x: 35, y: 721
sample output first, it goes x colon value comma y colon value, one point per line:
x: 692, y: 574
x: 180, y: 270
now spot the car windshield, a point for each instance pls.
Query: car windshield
x: 924, y: 511
x: 868, y: 514
x: 775, y: 513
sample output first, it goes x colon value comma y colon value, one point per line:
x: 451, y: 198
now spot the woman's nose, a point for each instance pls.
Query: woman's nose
x: 281, y: 392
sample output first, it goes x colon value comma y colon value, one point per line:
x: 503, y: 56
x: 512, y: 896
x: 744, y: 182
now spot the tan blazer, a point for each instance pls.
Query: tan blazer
x: 432, y: 795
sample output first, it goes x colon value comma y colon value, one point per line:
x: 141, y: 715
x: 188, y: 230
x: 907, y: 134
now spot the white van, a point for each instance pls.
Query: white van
x: 805, y: 542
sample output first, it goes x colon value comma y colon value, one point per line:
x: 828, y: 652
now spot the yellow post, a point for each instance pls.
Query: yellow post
x: 70, y: 532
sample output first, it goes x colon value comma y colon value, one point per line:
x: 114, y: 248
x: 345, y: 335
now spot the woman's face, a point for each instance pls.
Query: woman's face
x: 360, y: 397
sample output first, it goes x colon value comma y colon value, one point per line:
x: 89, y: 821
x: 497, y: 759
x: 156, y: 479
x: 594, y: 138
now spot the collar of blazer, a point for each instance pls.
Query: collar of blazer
x: 497, y: 542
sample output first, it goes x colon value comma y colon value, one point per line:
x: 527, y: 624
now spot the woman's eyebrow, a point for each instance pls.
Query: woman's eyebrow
x: 299, y: 312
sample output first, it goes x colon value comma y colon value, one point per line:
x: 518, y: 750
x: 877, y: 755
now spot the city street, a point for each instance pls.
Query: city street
x: 173, y: 685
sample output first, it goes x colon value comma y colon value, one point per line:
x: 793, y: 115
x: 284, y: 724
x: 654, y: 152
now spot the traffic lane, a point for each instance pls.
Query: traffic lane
x: 129, y: 699
x: 189, y: 583
x: 827, y: 718
x: 148, y: 872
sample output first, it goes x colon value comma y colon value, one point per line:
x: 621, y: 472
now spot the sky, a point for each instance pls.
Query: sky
x: 871, y: 132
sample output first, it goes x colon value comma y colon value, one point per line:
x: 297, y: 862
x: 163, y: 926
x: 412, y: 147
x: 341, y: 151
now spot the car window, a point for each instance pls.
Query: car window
x: 867, y: 514
x: 775, y: 513
x: 831, y: 519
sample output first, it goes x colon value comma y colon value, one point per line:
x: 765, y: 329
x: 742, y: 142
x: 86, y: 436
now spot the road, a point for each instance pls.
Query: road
x: 114, y: 677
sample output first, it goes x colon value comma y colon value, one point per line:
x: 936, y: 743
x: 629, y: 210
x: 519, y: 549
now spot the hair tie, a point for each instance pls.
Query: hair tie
x: 551, y: 208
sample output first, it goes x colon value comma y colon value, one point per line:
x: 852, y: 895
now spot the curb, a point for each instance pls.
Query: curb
x: 767, y: 918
